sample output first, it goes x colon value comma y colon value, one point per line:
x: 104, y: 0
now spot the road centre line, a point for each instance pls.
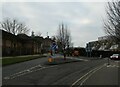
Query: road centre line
x: 93, y: 70
x: 117, y: 61
x: 27, y: 71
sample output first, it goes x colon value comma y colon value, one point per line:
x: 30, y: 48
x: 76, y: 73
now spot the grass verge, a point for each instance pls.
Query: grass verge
x: 13, y: 60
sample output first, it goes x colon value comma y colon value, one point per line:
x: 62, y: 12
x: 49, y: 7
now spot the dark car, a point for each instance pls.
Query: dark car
x: 115, y: 56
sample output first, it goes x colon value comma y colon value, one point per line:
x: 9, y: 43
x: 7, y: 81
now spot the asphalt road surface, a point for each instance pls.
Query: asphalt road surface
x: 83, y: 71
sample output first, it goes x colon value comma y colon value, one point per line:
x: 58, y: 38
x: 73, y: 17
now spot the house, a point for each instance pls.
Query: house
x: 104, y: 43
x: 104, y: 46
x: 47, y: 42
x: 9, y: 43
x: 22, y: 44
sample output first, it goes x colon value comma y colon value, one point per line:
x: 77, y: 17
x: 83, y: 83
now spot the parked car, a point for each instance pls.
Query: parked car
x: 115, y: 56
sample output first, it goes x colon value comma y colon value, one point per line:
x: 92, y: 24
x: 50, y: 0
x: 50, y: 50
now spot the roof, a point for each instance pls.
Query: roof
x: 7, y: 34
x: 23, y: 36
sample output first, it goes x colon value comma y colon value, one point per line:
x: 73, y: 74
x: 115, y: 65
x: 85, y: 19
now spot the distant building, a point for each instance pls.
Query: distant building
x: 21, y: 44
x: 103, y: 38
x: 104, y: 43
x: 47, y: 42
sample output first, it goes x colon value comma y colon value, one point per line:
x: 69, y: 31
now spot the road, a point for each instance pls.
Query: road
x: 83, y: 71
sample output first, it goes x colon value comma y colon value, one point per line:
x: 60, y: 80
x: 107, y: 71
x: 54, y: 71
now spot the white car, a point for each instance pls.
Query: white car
x: 115, y: 56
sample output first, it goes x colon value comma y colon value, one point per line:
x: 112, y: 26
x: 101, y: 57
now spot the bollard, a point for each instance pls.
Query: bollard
x: 50, y: 59
x: 108, y: 61
x: 100, y: 56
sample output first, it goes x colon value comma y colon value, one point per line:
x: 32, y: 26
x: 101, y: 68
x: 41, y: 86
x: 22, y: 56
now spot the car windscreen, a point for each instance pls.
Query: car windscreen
x: 115, y: 54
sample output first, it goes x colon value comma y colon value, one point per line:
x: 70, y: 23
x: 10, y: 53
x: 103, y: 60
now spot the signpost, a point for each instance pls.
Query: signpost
x: 88, y: 50
x: 108, y: 61
x: 53, y: 49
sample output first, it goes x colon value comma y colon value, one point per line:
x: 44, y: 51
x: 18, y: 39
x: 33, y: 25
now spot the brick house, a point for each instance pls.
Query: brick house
x: 9, y: 43
x: 22, y: 44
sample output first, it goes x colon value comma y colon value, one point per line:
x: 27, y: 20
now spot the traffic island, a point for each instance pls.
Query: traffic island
x: 56, y: 61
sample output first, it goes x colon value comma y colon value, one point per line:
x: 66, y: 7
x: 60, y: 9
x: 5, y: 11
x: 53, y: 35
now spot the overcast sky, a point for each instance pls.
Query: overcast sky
x: 84, y: 19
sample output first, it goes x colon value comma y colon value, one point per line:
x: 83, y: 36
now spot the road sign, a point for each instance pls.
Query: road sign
x: 88, y: 48
x: 54, y: 46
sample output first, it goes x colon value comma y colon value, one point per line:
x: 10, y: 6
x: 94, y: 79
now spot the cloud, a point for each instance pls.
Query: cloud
x: 85, y: 21
x: 83, y: 18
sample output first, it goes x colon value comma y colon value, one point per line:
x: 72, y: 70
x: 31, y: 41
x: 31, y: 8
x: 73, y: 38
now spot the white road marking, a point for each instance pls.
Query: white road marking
x: 91, y: 71
x: 117, y: 66
x: 114, y: 65
x: 91, y: 75
x: 27, y: 71
x: 12, y: 77
x: 117, y: 61
x: 78, y: 59
x: 32, y: 70
x: 6, y: 78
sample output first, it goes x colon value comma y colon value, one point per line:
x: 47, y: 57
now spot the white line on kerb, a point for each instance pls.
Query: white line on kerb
x: 91, y: 71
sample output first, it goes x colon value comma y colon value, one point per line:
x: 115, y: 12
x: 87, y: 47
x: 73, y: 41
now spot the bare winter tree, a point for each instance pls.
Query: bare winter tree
x: 53, y: 38
x: 112, y: 25
x: 14, y: 27
x: 63, y: 37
